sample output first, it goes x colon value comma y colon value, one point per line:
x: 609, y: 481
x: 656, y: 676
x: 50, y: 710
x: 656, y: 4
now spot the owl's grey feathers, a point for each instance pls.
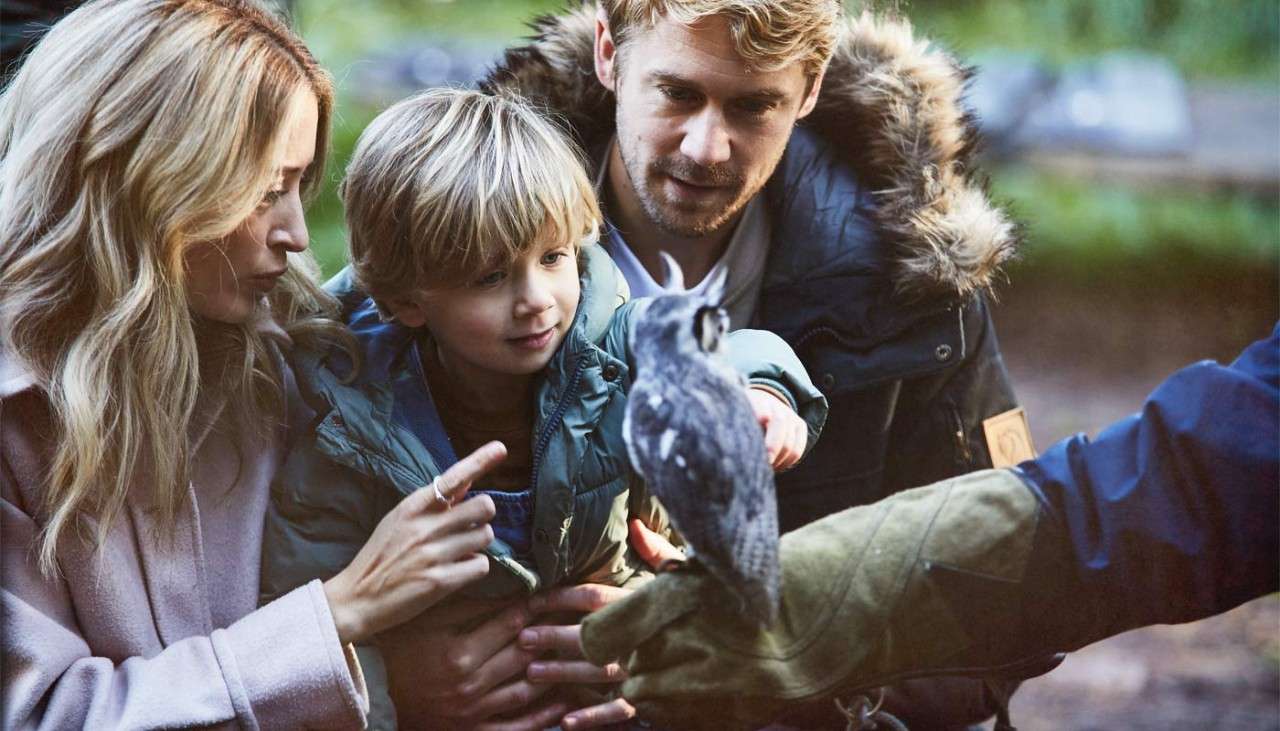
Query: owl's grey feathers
x: 693, y: 436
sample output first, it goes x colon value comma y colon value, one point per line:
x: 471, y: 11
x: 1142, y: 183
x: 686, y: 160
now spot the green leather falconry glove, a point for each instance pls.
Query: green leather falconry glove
x: 871, y: 595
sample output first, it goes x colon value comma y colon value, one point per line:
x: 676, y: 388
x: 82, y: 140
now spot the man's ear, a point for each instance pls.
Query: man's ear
x: 606, y: 52
x: 407, y: 310
x: 811, y: 99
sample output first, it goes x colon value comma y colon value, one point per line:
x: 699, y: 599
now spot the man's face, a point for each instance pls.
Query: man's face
x: 698, y: 132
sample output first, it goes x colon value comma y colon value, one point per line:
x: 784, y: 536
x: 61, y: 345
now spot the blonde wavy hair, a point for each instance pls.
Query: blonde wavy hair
x: 450, y: 182
x: 767, y: 34
x: 134, y: 130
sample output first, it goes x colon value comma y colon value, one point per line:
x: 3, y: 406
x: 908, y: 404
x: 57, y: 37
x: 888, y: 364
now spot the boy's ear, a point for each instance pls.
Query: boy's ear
x: 407, y: 311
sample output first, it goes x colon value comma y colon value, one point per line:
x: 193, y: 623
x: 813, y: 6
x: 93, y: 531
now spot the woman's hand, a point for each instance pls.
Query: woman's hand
x: 421, y: 552
x: 785, y: 433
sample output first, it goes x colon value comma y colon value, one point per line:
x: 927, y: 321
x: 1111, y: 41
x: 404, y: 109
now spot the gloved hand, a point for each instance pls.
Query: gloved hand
x: 868, y: 597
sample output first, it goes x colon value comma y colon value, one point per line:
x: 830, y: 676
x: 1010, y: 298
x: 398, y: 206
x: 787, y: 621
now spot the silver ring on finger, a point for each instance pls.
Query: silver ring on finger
x: 435, y: 487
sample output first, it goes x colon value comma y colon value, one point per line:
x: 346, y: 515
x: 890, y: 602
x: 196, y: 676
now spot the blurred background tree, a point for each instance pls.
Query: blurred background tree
x: 1078, y: 221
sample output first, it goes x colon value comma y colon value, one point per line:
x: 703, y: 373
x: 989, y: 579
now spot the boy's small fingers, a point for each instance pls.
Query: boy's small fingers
x: 653, y: 548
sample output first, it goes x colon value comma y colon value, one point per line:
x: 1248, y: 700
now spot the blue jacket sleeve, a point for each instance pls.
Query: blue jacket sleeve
x: 1172, y: 514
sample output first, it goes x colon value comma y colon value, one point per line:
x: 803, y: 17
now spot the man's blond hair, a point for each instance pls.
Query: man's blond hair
x: 768, y: 34
x: 448, y: 183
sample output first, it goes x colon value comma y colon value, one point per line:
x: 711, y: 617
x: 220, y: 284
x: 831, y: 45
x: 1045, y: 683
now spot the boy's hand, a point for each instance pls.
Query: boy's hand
x: 785, y: 433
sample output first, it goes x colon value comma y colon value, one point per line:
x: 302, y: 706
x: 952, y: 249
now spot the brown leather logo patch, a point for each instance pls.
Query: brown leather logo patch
x: 1009, y: 438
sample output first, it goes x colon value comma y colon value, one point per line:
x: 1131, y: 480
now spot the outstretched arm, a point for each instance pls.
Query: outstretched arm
x: 1167, y: 516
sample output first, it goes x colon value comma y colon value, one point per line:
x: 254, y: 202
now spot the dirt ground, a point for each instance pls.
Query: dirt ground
x: 1084, y: 351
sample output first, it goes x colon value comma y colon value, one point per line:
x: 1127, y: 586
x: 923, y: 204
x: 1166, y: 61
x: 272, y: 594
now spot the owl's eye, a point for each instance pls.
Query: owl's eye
x: 707, y: 328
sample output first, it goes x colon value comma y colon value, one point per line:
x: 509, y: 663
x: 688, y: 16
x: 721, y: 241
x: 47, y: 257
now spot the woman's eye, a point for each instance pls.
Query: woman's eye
x: 271, y: 197
x: 489, y: 279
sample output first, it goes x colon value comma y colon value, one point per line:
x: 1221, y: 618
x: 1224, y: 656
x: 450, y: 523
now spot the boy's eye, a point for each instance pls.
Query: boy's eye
x: 489, y: 279
x: 551, y: 258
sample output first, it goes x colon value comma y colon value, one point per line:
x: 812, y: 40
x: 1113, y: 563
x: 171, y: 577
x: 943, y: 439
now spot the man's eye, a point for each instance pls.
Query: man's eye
x: 677, y: 94
x: 490, y: 279
x: 755, y: 108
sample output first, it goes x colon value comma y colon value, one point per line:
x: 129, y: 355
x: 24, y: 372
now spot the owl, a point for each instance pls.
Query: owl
x: 692, y: 435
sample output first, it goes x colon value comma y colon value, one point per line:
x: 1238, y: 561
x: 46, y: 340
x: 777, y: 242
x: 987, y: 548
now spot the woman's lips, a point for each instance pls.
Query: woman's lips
x: 265, y: 282
x: 536, y: 341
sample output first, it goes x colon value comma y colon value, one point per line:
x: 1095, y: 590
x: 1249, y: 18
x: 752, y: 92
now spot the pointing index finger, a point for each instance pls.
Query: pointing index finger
x: 456, y: 480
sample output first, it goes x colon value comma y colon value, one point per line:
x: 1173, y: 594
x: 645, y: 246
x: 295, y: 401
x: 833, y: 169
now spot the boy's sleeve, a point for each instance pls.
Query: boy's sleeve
x: 765, y: 359
x: 762, y: 357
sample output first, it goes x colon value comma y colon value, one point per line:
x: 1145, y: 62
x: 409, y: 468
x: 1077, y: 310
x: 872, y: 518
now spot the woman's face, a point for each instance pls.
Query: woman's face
x: 227, y: 279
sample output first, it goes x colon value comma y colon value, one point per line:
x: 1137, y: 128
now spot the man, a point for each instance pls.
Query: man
x: 827, y: 201
x: 1168, y: 516
x: 811, y: 174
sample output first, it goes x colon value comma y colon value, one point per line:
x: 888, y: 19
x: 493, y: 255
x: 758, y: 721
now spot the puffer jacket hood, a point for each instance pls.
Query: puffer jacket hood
x: 912, y: 145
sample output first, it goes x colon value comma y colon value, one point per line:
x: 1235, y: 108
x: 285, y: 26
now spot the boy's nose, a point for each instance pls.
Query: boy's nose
x: 534, y: 300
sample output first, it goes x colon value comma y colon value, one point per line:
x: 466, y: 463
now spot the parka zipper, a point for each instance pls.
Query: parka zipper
x: 540, y: 446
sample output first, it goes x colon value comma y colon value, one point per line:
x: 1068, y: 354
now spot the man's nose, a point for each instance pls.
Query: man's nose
x: 706, y: 138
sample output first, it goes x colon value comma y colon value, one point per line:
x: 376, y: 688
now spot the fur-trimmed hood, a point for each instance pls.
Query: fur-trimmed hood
x: 913, y: 141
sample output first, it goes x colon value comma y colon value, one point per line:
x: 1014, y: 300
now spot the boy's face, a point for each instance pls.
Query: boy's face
x: 503, y: 322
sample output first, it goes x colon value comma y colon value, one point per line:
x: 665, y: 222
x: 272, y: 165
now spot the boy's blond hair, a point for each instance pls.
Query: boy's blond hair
x: 449, y: 182
x: 768, y: 34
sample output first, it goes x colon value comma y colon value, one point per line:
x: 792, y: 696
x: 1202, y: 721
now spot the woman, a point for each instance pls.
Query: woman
x: 153, y: 159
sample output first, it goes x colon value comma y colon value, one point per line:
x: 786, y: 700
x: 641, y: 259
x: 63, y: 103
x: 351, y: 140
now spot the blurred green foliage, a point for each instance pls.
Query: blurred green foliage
x: 1203, y: 38
x: 1083, y: 226
x: 1069, y: 221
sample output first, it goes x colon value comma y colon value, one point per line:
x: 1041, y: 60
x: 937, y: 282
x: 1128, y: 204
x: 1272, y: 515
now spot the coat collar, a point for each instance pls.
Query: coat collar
x: 913, y: 144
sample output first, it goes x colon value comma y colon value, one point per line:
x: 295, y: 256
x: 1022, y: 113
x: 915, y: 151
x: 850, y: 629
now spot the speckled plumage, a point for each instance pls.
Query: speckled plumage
x: 693, y: 436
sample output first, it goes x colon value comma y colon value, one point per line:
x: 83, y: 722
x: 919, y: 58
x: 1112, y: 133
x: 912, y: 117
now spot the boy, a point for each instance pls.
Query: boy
x: 484, y: 311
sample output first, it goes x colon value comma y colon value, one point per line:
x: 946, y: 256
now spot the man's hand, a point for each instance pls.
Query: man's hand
x: 562, y: 643
x: 785, y: 433
x: 444, y: 675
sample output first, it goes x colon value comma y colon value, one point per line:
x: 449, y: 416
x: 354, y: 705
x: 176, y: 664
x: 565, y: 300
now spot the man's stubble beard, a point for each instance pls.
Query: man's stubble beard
x: 660, y: 213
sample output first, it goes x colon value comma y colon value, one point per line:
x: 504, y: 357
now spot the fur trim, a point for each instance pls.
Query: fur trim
x: 913, y: 147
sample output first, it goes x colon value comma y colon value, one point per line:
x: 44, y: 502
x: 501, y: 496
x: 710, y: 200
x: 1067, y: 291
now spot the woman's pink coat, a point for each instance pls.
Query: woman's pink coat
x: 156, y: 633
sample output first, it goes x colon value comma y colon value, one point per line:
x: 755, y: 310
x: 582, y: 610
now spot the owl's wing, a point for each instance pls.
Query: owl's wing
x: 698, y: 446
